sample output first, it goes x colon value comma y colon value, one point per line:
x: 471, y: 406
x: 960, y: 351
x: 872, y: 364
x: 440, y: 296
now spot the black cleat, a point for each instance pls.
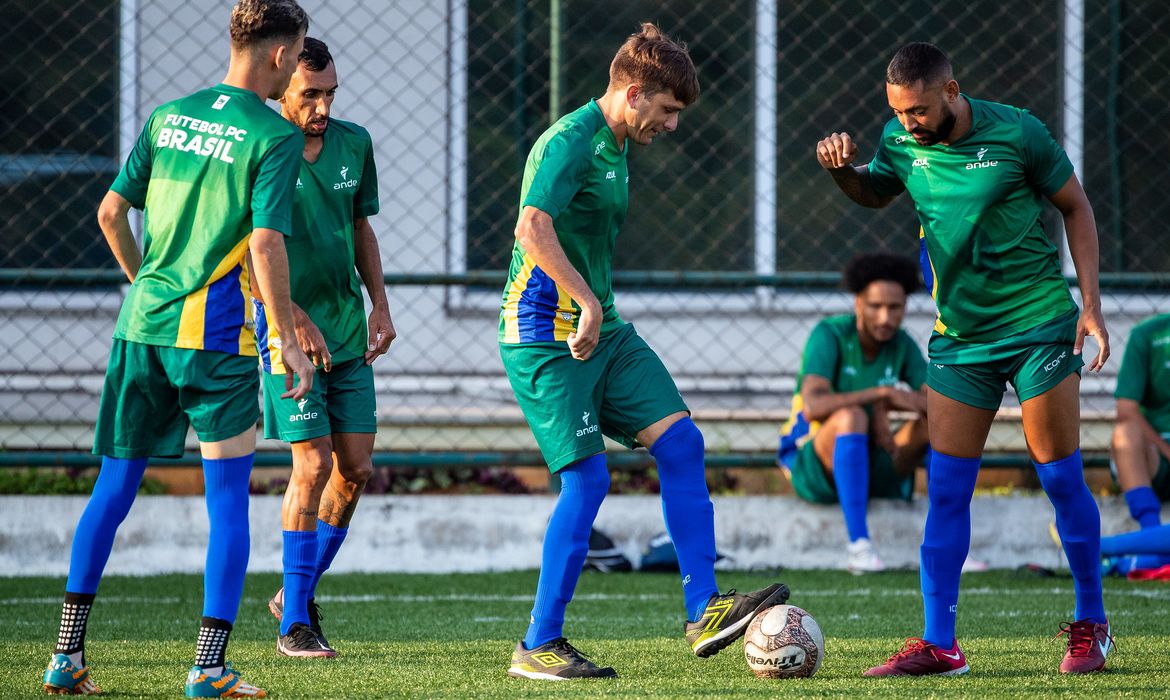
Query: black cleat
x: 301, y: 640
x: 727, y: 616
x: 555, y: 661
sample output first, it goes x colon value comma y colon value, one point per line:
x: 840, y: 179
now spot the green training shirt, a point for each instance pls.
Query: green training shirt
x: 1145, y: 370
x: 833, y: 351
x: 207, y: 169
x: 339, y: 187
x: 989, y: 264
x: 576, y: 173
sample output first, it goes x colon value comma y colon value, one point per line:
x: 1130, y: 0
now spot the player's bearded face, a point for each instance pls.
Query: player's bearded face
x: 880, y: 308
x: 309, y: 99
x: 926, y: 112
x: 650, y: 116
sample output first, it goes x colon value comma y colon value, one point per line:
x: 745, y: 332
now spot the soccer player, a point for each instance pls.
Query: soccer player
x: 978, y: 173
x: 579, y: 371
x: 1141, y: 451
x: 332, y: 428
x: 214, y: 172
x: 838, y: 446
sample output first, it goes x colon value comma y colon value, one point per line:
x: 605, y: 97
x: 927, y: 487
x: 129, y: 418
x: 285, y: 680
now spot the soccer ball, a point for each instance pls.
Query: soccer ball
x: 784, y: 641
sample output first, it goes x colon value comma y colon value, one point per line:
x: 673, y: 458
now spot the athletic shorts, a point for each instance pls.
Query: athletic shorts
x: 622, y: 388
x: 152, y: 394
x: 1033, y: 362
x: 341, y: 401
x: 812, y: 481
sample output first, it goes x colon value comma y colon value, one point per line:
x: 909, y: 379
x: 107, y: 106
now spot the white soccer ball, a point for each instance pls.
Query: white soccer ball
x: 784, y: 641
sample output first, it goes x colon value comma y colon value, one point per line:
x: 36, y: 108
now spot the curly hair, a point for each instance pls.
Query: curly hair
x: 257, y: 21
x: 867, y: 268
x: 657, y: 63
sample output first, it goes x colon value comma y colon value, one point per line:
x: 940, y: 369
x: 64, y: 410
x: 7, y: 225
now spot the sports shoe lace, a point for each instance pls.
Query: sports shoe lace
x: 912, y: 646
x: 564, y: 645
x: 1080, y: 637
x: 315, y: 612
x: 303, y: 636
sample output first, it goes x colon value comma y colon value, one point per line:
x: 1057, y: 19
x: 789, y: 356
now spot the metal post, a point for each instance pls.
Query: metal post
x: 554, y: 61
x: 765, y: 144
x: 1074, y: 103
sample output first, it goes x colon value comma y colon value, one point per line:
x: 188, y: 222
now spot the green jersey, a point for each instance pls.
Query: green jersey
x: 989, y: 265
x: 207, y: 169
x: 339, y: 187
x: 576, y: 173
x: 833, y: 351
x: 1145, y: 370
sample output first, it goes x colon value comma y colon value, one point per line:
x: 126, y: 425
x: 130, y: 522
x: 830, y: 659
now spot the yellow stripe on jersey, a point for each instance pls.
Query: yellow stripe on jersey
x: 563, y: 322
x: 939, y: 326
x: 193, y: 316
x: 511, y: 309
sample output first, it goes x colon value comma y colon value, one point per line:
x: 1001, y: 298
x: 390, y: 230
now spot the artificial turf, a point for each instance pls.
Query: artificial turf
x: 451, y: 636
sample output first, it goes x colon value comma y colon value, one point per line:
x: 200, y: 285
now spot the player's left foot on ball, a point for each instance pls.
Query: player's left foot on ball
x: 1088, y: 644
x: 918, y: 657
x: 63, y: 677
x: 227, y: 684
x: 727, y: 616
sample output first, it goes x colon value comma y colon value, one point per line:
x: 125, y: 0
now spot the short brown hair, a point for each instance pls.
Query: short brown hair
x: 657, y: 63
x: 257, y: 21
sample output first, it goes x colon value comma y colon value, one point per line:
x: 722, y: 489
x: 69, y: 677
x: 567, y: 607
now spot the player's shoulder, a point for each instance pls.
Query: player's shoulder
x: 838, y: 325
x: 991, y: 113
x: 573, y: 133
x: 1152, y: 324
x: 350, y: 130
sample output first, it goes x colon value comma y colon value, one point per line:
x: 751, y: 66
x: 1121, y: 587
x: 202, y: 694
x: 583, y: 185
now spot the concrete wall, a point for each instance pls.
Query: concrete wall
x: 484, y: 533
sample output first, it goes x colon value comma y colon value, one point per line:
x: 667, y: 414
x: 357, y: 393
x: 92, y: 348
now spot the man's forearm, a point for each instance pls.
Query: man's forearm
x: 540, y: 242
x: 270, y: 261
x: 1081, y: 233
x: 368, y: 261
x: 854, y: 182
x: 821, y: 405
x: 114, y: 221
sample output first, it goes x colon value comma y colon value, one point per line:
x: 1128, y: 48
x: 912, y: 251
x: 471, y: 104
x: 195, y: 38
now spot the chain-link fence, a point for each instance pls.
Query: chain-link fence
x: 734, y: 238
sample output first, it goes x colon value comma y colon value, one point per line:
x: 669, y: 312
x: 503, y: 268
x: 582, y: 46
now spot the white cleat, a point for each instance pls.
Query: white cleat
x: 863, y: 558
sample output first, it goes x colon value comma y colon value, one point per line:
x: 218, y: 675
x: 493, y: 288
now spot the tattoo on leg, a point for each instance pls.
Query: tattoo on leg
x: 337, y: 508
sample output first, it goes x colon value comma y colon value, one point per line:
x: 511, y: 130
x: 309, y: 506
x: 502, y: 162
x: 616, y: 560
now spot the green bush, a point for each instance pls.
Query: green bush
x: 61, y: 482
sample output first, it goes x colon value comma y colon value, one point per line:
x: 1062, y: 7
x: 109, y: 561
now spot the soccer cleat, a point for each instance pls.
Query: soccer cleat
x: 1088, y: 644
x: 301, y: 640
x: 863, y: 558
x: 227, y: 684
x: 555, y: 661
x: 63, y: 677
x: 971, y: 564
x: 918, y: 657
x: 276, y: 607
x: 727, y: 616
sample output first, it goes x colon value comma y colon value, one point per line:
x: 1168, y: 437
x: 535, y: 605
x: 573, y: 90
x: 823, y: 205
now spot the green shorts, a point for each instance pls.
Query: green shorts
x: 152, y: 394
x: 341, y: 401
x: 622, y: 388
x: 812, y: 481
x: 977, y: 373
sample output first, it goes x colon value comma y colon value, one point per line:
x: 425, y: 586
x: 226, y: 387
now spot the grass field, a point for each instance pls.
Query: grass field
x: 451, y: 636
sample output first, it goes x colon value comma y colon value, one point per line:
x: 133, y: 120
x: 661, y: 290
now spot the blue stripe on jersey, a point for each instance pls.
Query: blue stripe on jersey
x: 924, y: 263
x: 789, y: 441
x: 537, y: 307
x: 261, y: 321
x: 224, y: 313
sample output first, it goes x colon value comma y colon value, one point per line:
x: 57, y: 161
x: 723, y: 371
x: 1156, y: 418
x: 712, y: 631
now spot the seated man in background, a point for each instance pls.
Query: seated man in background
x: 838, y: 445
x: 1141, y: 453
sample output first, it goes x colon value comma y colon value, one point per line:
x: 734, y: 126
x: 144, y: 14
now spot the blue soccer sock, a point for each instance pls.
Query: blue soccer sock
x: 687, y: 510
x: 1152, y: 541
x: 226, y: 483
x: 851, y: 476
x: 1144, y: 506
x: 946, y: 538
x: 329, y: 541
x: 1079, y: 524
x: 300, y: 568
x: 113, y: 494
x: 566, y: 543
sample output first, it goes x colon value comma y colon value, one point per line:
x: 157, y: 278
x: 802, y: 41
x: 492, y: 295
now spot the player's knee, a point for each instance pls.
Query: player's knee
x: 851, y: 419
x: 949, y: 496
x: 1127, y: 435
x: 1061, y: 484
x: 311, y: 467
x: 357, y: 473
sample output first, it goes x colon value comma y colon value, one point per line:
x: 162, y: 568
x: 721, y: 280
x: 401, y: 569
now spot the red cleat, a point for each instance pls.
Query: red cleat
x: 919, y: 657
x: 1088, y: 644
